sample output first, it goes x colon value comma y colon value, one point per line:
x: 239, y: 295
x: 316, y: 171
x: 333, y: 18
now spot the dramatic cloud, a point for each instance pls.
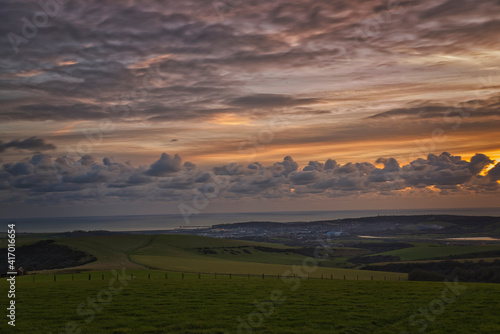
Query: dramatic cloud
x: 44, y: 179
x: 173, y: 60
x: 235, y: 86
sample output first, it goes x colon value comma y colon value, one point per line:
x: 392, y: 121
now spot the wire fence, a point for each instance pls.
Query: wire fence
x: 157, y: 275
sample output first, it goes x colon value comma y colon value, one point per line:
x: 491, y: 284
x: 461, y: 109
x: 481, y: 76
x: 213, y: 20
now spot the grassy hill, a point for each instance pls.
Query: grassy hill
x: 111, y: 251
x: 166, y: 301
x: 207, y: 305
x: 188, y: 253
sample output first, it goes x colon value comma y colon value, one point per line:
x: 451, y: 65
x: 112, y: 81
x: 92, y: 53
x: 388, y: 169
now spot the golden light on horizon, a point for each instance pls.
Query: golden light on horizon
x: 170, y: 92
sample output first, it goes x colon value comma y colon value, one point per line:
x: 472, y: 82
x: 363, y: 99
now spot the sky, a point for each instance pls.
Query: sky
x: 123, y: 107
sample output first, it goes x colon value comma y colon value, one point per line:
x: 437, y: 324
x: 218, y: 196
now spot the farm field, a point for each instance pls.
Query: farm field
x: 184, y: 253
x: 227, y: 266
x: 435, y: 251
x: 223, y: 305
x: 188, y: 253
x: 181, y: 284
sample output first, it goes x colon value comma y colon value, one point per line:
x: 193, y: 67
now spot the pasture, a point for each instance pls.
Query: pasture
x: 181, y: 284
x: 185, y: 253
x: 429, y: 251
x: 247, y: 305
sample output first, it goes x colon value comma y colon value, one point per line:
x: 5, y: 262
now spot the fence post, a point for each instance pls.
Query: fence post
x: 344, y: 277
x: 199, y: 275
x: 331, y: 276
x: 372, y: 278
x: 278, y: 276
x: 131, y: 276
x: 262, y: 276
x: 149, y: 276
x: 229, y: 276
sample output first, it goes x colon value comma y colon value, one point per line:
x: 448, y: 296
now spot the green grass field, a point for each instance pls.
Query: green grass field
x: 168, y: 301
x: 435, y: 251
x: 184, y: 253
x: 201, y: 254
x: 223, y: 305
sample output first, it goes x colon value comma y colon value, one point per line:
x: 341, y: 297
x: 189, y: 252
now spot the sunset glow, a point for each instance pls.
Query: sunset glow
x: 142, y: 99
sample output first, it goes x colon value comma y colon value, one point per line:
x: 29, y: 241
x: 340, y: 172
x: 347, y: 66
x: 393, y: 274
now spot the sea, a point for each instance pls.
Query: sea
x: 175, y: 221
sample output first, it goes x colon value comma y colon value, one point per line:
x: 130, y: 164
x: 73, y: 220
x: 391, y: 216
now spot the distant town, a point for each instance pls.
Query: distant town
x: 400, y: 227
